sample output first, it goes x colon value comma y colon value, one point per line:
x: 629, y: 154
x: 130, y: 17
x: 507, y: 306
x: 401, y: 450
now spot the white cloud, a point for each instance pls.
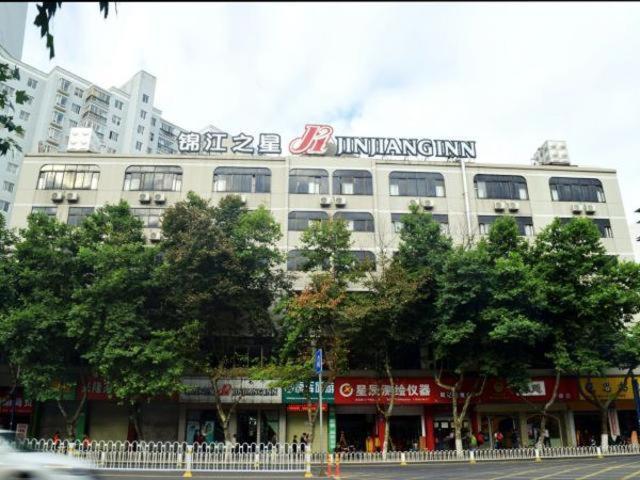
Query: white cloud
x: 509, y: 75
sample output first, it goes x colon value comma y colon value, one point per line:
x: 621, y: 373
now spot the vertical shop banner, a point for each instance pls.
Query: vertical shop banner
x: 331, y: 440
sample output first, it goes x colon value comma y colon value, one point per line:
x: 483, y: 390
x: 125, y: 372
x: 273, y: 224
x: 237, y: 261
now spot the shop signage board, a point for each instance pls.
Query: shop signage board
x: 408, y: 391
x: 96, y: 390
x: 303, y: 407
x: 607, y: 387
x: 540, y: 389
x: 199, y: 390
x: 295, y: 394
x: 22, y: 406
x: 319, y: 139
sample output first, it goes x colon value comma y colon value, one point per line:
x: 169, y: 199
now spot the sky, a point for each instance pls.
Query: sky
x: 507, y: 75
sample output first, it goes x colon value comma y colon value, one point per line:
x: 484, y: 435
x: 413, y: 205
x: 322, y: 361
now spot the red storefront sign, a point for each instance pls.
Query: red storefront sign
x: 425, y: 391
x: 22, y: 406
x: 408, y: 391
x: 300, y: 407
x: 96, y: 390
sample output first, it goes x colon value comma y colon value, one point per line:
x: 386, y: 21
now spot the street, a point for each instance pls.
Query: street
x: 611, y: 468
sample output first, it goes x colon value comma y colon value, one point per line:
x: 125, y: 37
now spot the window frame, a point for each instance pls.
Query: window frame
x: 308, y: 174
x: 260, y: 181
x: 292, y: 220
x: 511, y: 180
x: 365, y: 176
x: 84, y: 213
x: 357, y: 221
x: 415, y: 177
x: 142, y: 171
x: 579, y: 183
x: 59, y: 181
x: 520, y: 221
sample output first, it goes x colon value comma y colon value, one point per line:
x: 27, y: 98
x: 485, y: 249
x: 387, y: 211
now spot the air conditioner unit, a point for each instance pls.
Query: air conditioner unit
x: 499, y: 206
x: 159, y: 198
x: 590, y: 208
x: 340, y: 201
x: 243, y: 199
x: 576, y: 208
x: 72, y: 197
x: 513, y: 206
x: 427, y: 203
x: 57, y: 196
x: 155, y: 236
x: 145, y: 198
x: 325, y: 201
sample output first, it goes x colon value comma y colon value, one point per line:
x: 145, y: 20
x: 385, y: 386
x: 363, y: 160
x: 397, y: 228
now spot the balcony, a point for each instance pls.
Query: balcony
x: 99, y: 95
x: 87, y: 114
x: 167, y: 132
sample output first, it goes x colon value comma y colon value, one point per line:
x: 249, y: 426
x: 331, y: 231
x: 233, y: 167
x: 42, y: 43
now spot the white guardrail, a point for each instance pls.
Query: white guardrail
x: 281, y: 457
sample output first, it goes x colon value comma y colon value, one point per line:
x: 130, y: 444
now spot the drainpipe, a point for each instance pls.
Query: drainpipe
x: 466, y: 195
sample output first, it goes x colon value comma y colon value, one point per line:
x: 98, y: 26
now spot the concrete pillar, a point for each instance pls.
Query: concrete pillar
x: 522, y: 426
x: 428, y: 428
x: 282, y: 424
x: 182, y: 423
x: 570, y: 428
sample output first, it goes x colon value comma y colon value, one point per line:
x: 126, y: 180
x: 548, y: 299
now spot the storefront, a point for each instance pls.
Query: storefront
x: 296, y: 401
x: 258, y: 417
x: 360, y: 423
x: 16, y: 410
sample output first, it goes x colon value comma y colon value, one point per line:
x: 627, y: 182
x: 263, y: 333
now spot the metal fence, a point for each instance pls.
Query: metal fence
x: 281, y: 457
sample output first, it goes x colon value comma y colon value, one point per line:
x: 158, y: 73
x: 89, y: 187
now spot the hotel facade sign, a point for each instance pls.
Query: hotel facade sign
x: 320, y: 140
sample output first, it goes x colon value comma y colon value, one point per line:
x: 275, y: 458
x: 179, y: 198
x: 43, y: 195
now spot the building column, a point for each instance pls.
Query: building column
x: 282, y: 424
x: 428, y: 428
x: 522, y: 426
x: 182, y: 423
x: 570, y: 428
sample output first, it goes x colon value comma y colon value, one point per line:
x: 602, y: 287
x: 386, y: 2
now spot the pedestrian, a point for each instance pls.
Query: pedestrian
x: 473, y: 442
x: 480, y: 438
x: 514, y: 439
x: 303, y: 442
x: 498, y: 437
x: 343, y: 442
x: 547, y: 438
x: 86, y: 441
x: 56, y: 438
x: 294, y: 444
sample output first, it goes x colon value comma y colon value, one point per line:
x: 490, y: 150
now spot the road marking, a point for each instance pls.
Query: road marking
x: 606, y: 470
x: 631, y: 475
x: 563, y: 472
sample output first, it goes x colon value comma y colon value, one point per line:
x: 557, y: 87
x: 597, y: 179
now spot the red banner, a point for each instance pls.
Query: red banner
x: 22, y: 406
x: 425, y: 391
x: 300, y: 407
x: 408, y: 391
x: 96, y: 390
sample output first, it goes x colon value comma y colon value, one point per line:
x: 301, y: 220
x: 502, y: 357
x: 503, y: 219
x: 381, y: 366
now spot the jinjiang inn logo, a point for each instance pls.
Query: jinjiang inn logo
x: 319, y: 139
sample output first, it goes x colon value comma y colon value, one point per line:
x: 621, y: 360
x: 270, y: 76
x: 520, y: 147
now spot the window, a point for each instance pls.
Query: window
x: 118, y: 104
x: 54, y: 134
x: 150, y: 217
x: 50, y: 212
x: 603, y: 224
x: 153, y: 121
x: 64, y: 85
x: 78, y: 214
x: 73, y: 124
x: 564, y: 189
x: 442, y: 219
x: 57, y: 118
x: 352, y: 182
x: 4, y: 206
x: 12, y: 167
x: 149, y: 150
x: 113, y: 136
x: 159, y: 178
x: 143, y: 114
x: 111, y: 150
x: 509, y: 187
x: 24, y: 115
x: 295, y: 261
x: 116, y: 119
x: 32, y: 83
x: 525, y: 224
x: 139, y: 146
x: 416, y: 184
x: 140, y: 129
x: 365, y: 258
x: 29, y: 99
x: 7, y: 89
x: 300, y: 221
x: 61, y: 101
x: 78, y: 92
x: 242, y: 180
x: 145, y: 98
x: 75, y: 108
x: 308, y: 180
x: 8, y: 186
x: 68, y: 177
x: 151, y: 137
x: 357, y: 221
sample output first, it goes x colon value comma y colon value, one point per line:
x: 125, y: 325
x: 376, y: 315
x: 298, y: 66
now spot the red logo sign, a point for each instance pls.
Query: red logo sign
x: 314, y: 140
x: 372, y: 391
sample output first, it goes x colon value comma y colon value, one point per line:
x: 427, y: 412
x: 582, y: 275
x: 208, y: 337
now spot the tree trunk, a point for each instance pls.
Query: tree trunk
x: 543, y: 426
x: 545, y: 409
x: 71, y: 421
x: 604, y: 425
x: 385, y: 443
x: 134, y: 416
x: 389, y: 410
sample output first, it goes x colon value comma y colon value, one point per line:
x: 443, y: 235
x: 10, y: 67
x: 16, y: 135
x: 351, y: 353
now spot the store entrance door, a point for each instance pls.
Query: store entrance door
x: 247, y: 426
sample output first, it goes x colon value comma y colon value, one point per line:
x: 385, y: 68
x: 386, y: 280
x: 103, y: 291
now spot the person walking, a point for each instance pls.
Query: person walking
x: 547, y: 438
x: 473, y: 442
x: 498, y: 437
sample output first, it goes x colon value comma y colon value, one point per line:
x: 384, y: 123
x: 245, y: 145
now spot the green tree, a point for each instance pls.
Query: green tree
x: 34, y: 331
x: 585, y: 298
x: 115, y: 316
x: 7, y: 107
x: 221, y: 274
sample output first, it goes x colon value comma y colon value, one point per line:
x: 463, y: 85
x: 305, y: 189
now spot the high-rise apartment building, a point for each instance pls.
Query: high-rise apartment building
x: 124, y: 119
x: 13, y: 19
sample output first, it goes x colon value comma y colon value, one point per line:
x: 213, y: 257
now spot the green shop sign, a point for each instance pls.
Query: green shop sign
x: 296, y: 393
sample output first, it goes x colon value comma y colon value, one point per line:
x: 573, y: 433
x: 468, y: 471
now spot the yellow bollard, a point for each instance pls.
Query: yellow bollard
x: 307, y: 470
x: 472, y: 457
x: 403, y: 459
x: 188, y: 457
x: 599, y: 450
x: 336, y: 476
x: 538, y: 459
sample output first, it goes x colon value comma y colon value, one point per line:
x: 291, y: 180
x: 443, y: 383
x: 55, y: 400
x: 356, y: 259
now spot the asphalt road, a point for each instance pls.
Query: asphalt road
x: 610, y: 468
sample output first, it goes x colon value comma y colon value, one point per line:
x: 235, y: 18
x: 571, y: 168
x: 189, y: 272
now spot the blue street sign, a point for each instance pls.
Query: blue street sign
x: 317, y: 361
